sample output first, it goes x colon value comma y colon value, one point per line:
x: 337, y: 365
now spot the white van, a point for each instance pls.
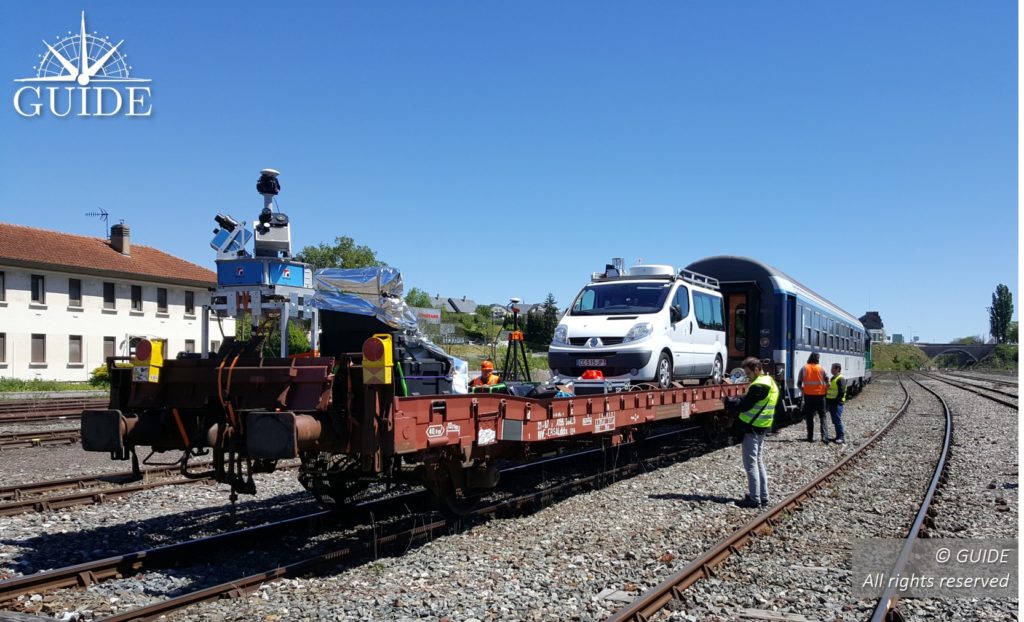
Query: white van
x: 653, y: 324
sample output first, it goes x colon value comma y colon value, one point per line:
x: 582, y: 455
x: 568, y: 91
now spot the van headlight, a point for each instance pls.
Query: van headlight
x: 561, y: 337
x: 641, y: 330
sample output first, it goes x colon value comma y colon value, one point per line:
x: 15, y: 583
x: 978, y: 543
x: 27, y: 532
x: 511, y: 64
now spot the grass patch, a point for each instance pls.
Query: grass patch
x: 14, y: 385
x: 897, y: 356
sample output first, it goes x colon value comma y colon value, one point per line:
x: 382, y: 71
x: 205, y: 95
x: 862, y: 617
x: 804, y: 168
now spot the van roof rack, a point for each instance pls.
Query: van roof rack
x: 596, y: 277
x: 699, y: 279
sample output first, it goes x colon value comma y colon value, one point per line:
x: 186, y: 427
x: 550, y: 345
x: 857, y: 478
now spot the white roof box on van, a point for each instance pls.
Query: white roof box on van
x: 652, y: 270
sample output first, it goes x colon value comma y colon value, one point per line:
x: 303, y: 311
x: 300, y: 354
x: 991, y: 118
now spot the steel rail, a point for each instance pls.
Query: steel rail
x: 655, y: 599
x: 243, y: 585
x: 981, y: 391
x: 24, y: 411
x: 18, y: 491
x: 240, y: 586
x: 984, y: 378
x: 35, y: 439
x: 21, y: 505
x: 886, y: 609
x: 972, y: 382
x: 87, y: 573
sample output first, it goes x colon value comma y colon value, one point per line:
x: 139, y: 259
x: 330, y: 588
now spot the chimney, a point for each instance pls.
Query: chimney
x: 120, y: 239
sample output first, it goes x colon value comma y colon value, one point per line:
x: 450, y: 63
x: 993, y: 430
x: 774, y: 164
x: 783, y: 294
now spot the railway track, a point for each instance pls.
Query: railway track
x: 985, y: 378
x: 68, y: 436
x: 886, y: 609
x: 1006, y: 398
x: 653, y: 601
x: 48, y: 409
x: 91, y: 489
x: 424, y: 526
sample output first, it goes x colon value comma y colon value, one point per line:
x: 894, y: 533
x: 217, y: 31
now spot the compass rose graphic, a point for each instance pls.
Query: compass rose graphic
x: 83, y: 58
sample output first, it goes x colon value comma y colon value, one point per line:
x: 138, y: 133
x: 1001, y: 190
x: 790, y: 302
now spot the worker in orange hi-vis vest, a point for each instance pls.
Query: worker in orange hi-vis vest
x: 487, y: 375
x: 814, y: 385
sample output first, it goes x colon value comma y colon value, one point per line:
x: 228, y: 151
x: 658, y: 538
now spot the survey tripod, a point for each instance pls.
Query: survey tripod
x: 516, y: 359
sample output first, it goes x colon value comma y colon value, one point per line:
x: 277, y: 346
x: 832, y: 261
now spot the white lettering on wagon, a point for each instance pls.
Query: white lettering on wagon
x: 588, y: 420
x: 684, y: 409
x: 454, y: 428
x: 604, y: 424
x: 486, y: 436
x: 555, y: 432
x: 435, y: 431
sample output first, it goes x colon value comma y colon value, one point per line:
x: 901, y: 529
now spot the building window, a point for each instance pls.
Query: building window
x: 109, y: 347
x: 136, y: 298
x: 75, y: 349
x: 190, y: 303
x: 109, y: 298
x: 38, y: 289
x: 75, y: 292
x: 161, y: 299
x: 190, y: 345
x: 214, y: 346
x: 3, y: 287
x: 38, y: 348
x: 3, y: 347
x: 132, y: 342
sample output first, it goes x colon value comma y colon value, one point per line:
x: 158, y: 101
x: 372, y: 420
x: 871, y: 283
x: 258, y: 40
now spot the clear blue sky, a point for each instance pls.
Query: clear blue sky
x: 494, y: 149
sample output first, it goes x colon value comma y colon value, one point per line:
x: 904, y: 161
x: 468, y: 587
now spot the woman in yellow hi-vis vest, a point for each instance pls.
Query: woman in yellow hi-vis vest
x: 756, y: 414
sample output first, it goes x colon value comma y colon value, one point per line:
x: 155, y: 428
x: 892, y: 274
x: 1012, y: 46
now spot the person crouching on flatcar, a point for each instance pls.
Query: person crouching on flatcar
x: 756, y: 414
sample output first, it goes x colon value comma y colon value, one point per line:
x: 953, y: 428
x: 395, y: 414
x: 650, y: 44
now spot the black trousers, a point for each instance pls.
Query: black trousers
x: 814, y: 407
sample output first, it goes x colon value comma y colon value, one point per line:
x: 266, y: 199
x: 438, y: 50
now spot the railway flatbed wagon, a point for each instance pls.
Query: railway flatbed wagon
x: 350, y: 426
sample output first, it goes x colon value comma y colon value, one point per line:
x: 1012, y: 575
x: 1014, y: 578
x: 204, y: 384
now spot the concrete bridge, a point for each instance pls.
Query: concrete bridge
x: 974, y: 351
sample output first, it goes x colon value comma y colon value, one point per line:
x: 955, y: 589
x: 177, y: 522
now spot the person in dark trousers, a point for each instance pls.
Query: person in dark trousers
x: 814, y: 384
x: 834, y: 400
x: 756, y: 414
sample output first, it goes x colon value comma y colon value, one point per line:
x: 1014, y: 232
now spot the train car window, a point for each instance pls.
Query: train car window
x: 719, y: 312
x: 683, y: 300
x: 739, y: 323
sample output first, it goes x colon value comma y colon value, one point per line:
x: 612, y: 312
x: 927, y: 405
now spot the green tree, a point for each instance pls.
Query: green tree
x: 345, y: 253
x: 550, y: 315
x: 417, y: 298
x: 1011, y: 332
x: 1000, y: 313
x: 971, y: 340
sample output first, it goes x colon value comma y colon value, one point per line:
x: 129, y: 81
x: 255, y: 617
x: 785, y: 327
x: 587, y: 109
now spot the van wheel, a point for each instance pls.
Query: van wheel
x: 717, y: 370
x: 664, y: 373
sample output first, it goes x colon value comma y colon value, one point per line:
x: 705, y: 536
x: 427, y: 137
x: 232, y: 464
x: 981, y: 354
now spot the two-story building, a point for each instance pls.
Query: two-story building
x: 69, y: 301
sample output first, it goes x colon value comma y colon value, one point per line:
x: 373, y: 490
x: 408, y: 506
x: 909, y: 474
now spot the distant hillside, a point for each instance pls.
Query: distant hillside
x: 897, y: 356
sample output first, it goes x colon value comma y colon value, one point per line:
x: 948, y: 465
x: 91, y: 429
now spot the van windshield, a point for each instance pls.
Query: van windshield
x: 621, y: 298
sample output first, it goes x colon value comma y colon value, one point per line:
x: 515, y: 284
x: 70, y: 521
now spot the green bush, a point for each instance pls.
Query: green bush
x: 100, y: 377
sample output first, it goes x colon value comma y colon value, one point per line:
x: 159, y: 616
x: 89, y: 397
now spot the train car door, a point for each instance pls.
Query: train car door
x: 742, y: 325
x: 789, y: 341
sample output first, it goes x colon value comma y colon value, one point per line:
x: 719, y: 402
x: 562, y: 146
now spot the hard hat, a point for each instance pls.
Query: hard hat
x: 487, y: 365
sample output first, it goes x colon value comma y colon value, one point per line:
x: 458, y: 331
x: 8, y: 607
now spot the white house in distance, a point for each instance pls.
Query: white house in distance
x: 69, y: 301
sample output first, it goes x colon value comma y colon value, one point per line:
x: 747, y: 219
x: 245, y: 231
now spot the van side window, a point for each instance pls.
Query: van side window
x: 708, y: 310
x: 683, y: 300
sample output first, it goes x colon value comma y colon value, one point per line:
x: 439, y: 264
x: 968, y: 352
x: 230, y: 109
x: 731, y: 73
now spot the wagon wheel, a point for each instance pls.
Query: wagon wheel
x: 332, y: 479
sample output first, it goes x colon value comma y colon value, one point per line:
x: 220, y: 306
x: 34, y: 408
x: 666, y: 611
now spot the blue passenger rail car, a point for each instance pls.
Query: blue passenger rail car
x: 772, y: 315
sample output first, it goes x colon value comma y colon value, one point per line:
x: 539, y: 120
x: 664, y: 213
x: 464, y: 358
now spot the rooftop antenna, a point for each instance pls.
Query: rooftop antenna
x: 103, y: 215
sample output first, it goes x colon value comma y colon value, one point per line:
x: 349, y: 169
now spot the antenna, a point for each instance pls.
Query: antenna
x: 103, y: 215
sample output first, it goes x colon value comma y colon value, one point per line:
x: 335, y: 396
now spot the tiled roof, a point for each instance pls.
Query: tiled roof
x: 67, y: 252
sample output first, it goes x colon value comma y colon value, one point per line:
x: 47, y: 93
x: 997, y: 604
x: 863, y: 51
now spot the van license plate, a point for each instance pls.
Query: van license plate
x: 591, y: 362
